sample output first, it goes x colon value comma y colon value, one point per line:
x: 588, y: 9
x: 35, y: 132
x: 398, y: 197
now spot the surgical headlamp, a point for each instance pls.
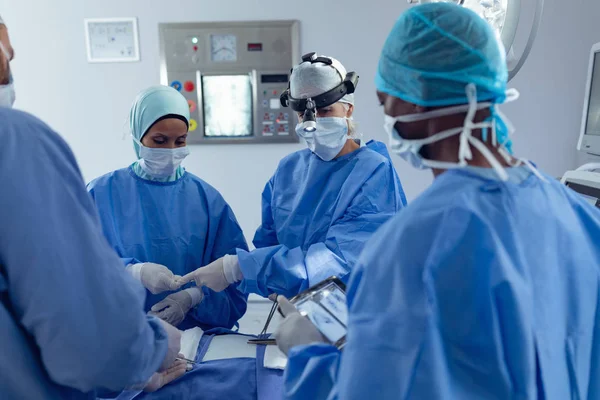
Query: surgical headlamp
x: 310, y: 105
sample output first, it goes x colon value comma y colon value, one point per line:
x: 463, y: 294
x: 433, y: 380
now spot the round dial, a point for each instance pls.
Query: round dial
x: 223, y: 48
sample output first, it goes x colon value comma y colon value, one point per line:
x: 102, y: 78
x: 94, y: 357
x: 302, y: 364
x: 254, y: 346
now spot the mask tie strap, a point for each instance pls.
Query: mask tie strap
x: 533, y: 169
x: 467, y: 138
x: 502, y: 174
x: 464, y: 152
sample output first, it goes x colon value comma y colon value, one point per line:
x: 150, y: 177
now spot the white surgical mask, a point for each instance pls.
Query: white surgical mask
x: 7, y: 92
x: 328, y: 139
x: 409, y: 150
x: 161, y: 163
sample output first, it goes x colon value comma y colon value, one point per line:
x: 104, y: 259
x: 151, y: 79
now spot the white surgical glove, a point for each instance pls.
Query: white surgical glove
x: 175, y: 307
x: 217, y: 275
x: 173, y: 345
x: 295, y: 330
x: 155, y: 277
x: 160, y: 379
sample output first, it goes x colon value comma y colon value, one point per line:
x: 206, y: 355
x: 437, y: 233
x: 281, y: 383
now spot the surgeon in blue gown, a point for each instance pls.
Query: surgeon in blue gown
x: 321, y: 205
x: 487, y: 285
x: 164, y: 221
x: 71, y: 320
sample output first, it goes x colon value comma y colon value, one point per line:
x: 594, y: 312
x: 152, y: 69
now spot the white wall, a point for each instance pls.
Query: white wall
x: 88, y: 104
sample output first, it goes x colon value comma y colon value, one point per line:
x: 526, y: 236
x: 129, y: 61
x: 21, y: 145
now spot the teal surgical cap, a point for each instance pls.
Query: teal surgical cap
x: 151, y: 105
x: 435, y: 50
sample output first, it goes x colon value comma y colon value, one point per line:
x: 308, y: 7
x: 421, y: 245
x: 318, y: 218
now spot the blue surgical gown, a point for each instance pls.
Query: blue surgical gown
x: 71, y: 319
x: 478, y: 290
x: 317, y: 216
x: 184, y: 225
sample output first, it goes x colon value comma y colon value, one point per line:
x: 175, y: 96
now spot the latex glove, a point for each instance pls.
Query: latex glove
x: 173, y: 345
x: 295, y: 330
x: 160, y: 379
x: 175, y: 307
x: 217, y: 275
x: 155, y: 277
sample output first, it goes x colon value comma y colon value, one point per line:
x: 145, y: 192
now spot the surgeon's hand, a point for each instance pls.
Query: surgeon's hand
x: 212, y: 276
x: 295, y: 330
x: 155, y: 277
x: 173, y: 345
x: 175, y: 307
x: 160, y: 379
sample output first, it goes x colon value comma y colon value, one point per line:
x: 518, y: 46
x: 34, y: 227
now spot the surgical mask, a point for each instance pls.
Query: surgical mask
x: 328, y: 139
x: 161, y: 163
x: 7, y: 92
x: 410, y: 150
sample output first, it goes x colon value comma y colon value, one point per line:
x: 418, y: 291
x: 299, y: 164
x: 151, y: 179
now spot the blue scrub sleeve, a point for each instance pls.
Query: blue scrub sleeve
x: 266, y: 234
x: 311, y: 372
x: 223, y: 309
x: 129, y: 260
x: 288, y: 271
x: 67, y: 287
x: 125, y: 260
x: 378, y: 297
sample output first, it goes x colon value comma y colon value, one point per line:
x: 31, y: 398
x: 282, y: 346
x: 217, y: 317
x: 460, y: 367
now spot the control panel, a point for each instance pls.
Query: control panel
x: 232, y: 75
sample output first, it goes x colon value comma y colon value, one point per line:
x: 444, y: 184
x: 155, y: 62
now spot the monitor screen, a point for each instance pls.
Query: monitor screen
x: 227, y: 105
x: 590, y: 194
x: 327, y: 310
x: 592, y: 126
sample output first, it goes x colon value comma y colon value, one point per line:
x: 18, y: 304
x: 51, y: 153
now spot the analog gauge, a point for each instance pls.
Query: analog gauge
x: 223, y: 48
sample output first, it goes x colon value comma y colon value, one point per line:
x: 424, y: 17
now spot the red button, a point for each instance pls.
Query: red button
x: 189, y: 86
x: 195, y: 48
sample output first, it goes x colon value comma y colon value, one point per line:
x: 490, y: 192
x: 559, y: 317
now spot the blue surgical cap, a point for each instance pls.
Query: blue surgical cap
x: 435, y: 50
x: 151, y: 105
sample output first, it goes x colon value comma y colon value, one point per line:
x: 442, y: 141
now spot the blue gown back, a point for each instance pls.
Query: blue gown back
x: 480, y: 289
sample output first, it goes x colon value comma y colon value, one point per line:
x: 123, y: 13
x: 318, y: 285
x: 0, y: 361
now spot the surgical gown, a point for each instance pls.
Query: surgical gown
x: 478, y: 290
x: 317, y: 216
x: 71, y: 318
x: 184, y: 225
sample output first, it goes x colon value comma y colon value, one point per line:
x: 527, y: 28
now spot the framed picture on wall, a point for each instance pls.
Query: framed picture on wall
x: 110, y: 40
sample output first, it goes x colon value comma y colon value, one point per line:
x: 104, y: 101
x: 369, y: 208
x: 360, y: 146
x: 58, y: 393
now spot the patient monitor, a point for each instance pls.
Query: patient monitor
x: 584, y: 180
x: 589, y: 138
x: 586, y: 183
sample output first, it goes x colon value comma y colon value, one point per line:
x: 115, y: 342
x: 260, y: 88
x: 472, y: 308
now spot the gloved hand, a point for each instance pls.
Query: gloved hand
x: 217, y: 275
x: 155, y: 277
x: 295, y: 330
x: 173, y: 345
x: 175, y: 307
x: 160, y: 379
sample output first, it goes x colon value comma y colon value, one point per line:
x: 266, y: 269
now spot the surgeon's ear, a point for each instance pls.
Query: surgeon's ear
x: 350, y: 110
